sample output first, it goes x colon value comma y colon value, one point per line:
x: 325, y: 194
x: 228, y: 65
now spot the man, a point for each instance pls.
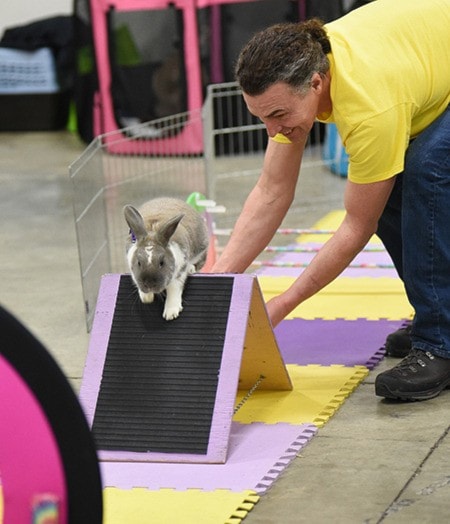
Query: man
x: 382, y: 75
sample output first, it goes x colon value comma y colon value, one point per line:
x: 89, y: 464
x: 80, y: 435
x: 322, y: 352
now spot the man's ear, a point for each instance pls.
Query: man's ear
x: 317, y: 82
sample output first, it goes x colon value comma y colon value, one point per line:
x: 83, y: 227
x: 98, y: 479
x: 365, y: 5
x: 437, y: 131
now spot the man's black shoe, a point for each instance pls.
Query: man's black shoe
x: 419, y: 376
x: 398, y: 343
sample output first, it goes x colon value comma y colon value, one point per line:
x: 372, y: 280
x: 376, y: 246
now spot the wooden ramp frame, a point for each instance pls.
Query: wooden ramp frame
x: 165, y: 391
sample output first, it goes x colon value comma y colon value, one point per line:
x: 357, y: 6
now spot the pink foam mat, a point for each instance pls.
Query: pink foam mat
x: 257, y: 454
x: 326, y: 342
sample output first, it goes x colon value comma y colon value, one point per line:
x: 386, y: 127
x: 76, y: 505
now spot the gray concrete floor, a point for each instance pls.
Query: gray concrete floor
x: 374, y: 461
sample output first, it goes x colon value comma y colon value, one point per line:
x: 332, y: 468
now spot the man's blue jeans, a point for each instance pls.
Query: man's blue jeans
x: 415, y: 229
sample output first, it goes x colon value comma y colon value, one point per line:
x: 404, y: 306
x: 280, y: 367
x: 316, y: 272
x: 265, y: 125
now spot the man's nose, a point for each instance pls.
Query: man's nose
x: 272, y: 129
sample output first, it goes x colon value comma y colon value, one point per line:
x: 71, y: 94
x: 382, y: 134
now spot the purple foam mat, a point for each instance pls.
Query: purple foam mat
x: 368, y: 259
x: 257, y: 454
x: 326, y: 342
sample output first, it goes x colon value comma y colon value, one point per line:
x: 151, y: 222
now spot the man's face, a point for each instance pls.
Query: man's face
x: 285, y: 111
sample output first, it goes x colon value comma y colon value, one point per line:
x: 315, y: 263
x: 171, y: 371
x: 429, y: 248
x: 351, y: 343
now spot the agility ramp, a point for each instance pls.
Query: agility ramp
x: 158, y: 390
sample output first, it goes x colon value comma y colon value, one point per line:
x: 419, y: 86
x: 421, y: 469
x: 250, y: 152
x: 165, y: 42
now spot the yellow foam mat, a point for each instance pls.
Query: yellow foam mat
x: 318, y: 393
x: 349, y: 298
x: 167, y: 506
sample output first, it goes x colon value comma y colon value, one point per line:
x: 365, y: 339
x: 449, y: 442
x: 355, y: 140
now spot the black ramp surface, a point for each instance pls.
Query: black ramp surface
x: 160, y: 377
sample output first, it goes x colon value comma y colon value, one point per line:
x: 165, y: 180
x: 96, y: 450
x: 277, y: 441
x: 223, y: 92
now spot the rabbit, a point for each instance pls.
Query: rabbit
x: 168, y: 241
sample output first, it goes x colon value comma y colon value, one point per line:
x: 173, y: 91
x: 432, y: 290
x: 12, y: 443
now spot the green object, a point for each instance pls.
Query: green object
x: 72, y: 123
x: 127, y: 53
x: 85, y: 60
x: 193, y: 200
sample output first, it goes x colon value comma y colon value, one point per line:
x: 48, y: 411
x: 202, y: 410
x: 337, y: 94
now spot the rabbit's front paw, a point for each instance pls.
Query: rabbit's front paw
x: 172, y: 309
x: 146, y: 298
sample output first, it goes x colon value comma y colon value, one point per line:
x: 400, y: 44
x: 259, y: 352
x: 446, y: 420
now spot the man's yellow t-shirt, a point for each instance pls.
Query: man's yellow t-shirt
x: 390, y: 78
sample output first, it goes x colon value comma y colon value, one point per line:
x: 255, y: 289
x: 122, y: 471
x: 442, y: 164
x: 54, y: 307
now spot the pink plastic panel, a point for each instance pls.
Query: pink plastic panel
x: 30, y: 465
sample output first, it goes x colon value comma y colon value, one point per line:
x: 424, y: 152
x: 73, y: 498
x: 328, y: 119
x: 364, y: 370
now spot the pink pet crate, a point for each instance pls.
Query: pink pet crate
x: 146, y: 55
x: 152, y: 61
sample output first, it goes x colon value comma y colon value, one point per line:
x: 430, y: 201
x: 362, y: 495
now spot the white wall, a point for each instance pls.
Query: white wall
x: 21, y: 12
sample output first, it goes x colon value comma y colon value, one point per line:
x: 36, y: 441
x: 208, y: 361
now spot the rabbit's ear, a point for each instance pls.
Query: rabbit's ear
x: 135, y: 221
x: 167, y: 229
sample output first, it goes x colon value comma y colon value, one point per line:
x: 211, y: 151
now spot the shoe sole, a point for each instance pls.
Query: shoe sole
x: 384, y: 391
x: 396, y: 352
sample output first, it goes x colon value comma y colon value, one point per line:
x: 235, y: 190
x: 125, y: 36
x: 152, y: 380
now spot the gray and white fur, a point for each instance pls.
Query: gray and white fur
x: 168, y: 241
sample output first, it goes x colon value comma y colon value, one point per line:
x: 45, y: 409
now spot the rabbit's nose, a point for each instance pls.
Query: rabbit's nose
x: 152, y: 282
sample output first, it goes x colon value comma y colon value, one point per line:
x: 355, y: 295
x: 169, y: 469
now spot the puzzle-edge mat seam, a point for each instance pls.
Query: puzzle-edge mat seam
x: 235, y: 513
x: 248, y: 442
x: 331, y: 405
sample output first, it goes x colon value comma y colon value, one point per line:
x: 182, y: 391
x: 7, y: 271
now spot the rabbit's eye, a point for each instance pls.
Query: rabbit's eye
x: 161, y: 262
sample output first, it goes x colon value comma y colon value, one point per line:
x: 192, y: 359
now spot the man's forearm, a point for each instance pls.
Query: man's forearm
x: 329, y: 263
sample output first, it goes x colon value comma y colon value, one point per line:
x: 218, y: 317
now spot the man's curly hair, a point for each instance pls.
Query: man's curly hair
x: 288, y: 52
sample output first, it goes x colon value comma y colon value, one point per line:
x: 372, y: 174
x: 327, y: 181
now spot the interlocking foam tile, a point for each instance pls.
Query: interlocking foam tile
x: 325, y: 342
x: 257, y: 454
x: 349, y: 298
x: 373, y: 264
x: 142, y: 506
x: 318, y: 393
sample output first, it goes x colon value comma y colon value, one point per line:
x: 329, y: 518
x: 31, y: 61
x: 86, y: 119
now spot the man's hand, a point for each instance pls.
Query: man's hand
x: 275, y: 310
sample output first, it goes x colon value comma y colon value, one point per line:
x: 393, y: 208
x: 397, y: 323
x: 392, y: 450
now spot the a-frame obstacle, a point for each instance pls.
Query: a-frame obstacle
x: 165, y: 391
